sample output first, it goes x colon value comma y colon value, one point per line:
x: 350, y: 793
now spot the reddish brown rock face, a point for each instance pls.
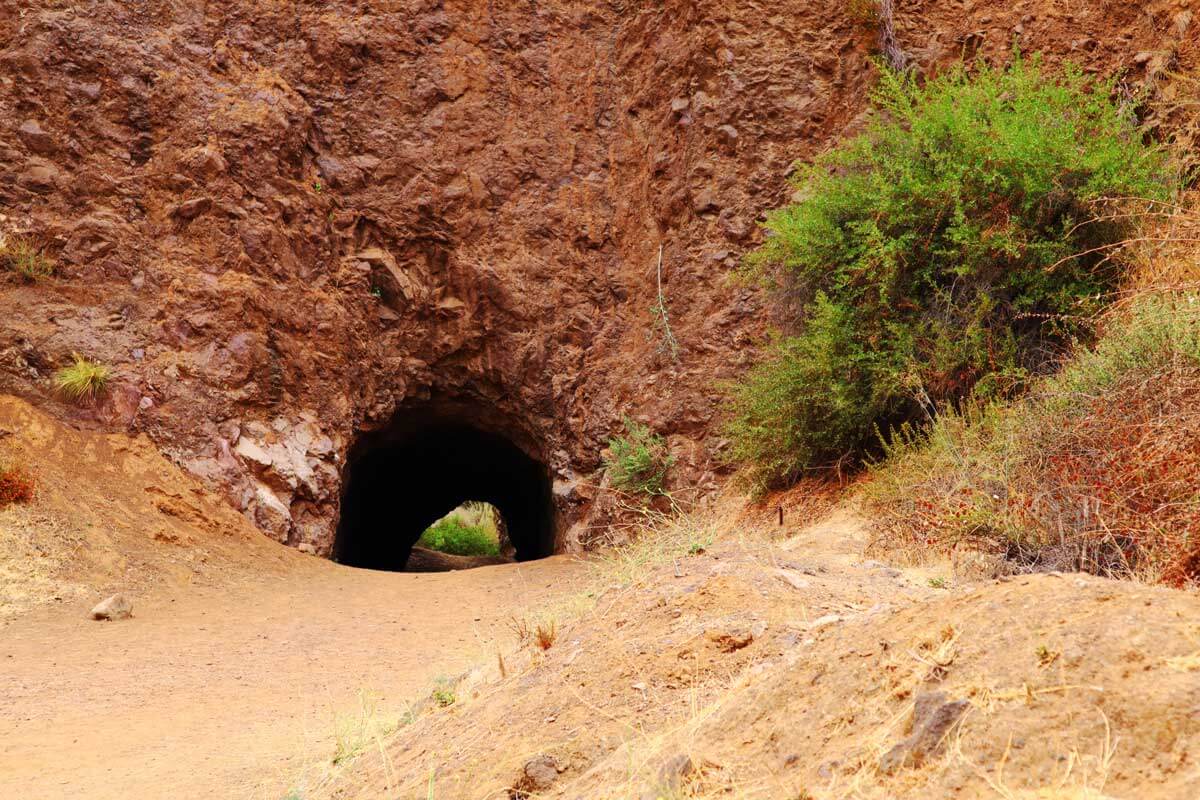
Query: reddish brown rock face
x: 289, y: 223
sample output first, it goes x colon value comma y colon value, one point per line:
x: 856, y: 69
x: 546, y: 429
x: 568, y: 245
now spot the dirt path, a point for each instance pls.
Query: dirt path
x: 233, y: 693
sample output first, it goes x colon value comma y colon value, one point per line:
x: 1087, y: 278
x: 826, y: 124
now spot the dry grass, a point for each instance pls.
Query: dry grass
x: 545, y: 635
x: 1097, y: 470
x: 22, y: 256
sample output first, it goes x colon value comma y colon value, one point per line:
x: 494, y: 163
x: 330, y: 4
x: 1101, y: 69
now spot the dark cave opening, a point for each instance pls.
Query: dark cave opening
x: 424, y: 464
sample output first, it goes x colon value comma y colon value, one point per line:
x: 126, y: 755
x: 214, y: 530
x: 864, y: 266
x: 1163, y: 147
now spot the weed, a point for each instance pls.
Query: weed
x: 1046, y: 656
x: 354, y: 733
x: 638, y: 462
x: 864, y: 13
x: 83, y: 381
x: 947, y: 252
x: 938, y: 583
x: 20, y: 255
x: 16, y: 486
x: 699, y: 546
x: 669, y: 345
x: 546, y: 635
x: 444, y: 697
x: 376, y: 292
x: 520, y: 628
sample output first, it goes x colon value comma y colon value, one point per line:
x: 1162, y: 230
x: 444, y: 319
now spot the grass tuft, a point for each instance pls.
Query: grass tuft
x: 21, y: 256
x: 546, y: 635
x: 83, y: 381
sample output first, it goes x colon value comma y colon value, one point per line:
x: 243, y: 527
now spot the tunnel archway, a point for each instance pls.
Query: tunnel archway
x: 424, y: 464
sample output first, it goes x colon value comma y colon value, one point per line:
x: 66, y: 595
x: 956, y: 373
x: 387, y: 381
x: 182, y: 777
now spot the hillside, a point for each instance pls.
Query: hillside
x: 327, y: 219
x: 823, y: 379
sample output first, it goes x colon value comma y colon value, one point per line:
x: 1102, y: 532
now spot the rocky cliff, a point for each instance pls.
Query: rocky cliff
x: 288, y: 222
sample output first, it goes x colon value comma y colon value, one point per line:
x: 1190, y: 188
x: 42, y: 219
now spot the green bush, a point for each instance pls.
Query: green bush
x: 451, y: 535
x: 638, y: 462
x: 953, y: 248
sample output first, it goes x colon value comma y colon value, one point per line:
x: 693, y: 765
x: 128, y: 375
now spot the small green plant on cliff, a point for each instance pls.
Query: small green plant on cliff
x: 444, y: 697
x: 82, y: 381
x: 24, y: 258
x: 638, y: 461
x: 952, y: 249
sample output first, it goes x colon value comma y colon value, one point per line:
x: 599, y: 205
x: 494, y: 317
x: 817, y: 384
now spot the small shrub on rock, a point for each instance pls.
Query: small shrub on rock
x: 83, y: 380
x: 638, y: 461
x: 952, y: 249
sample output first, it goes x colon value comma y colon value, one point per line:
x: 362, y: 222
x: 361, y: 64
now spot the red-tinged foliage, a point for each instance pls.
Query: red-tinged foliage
x: 16, y: 486
x: 1099, y: 474
x: 1123, y: 477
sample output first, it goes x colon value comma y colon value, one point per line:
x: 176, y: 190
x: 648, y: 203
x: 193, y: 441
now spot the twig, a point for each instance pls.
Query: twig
x: 661, y: 312
x: 888, y: 44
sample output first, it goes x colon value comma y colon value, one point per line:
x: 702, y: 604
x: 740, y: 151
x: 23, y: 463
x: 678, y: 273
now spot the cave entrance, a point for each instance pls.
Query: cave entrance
x: 401, y: 480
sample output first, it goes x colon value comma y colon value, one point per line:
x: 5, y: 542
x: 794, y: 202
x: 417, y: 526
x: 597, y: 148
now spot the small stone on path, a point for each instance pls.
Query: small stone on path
x: 114, y: 608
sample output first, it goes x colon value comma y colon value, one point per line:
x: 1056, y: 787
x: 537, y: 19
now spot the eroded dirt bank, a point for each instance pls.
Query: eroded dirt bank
x: 794, y: 668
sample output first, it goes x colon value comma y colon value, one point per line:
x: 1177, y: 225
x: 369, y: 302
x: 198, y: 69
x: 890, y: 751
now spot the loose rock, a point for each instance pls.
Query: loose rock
x: 933, y: 718
x: 538, y: 775
x: 35, y: 138
x: 191, y: 209
x: 114, y: 608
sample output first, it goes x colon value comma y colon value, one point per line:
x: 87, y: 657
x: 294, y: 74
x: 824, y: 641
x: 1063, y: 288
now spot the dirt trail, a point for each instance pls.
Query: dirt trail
x: 244, y: 657
x: 232, y: 693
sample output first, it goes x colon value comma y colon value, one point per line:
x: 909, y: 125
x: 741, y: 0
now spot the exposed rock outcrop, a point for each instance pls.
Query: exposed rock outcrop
x: 285, y: 224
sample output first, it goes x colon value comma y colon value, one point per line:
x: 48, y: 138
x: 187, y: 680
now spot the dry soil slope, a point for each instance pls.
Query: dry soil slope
x: 773, y: 684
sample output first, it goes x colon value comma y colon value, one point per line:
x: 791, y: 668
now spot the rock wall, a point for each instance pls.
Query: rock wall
x: 285, y: 221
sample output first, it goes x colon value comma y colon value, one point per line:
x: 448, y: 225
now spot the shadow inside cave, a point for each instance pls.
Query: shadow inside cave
x: 424, y: 464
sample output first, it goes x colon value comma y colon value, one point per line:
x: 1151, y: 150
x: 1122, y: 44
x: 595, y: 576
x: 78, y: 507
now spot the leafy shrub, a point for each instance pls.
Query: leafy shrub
x: 82, y: 381
x: 1098, y: 469
x: 22, y: 257
x: 16, y: 486
x: 451, y: 535
x: 951, y: 249
x: 638, y: 461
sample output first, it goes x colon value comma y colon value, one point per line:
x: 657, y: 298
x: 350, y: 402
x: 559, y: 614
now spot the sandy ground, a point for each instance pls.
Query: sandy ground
x: 245, y: 661
x: 234, y: 693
